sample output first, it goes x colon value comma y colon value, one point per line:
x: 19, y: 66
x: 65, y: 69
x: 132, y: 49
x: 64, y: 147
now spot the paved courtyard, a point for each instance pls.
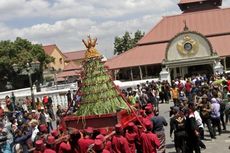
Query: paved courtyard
x: 220, y: 145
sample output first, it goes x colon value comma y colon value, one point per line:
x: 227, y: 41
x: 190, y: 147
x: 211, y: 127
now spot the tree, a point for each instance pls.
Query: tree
x: 20, y: 52
x: 126, y: 42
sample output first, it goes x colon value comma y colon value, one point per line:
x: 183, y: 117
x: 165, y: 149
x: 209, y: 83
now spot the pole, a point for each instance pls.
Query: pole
x: 31, y: 90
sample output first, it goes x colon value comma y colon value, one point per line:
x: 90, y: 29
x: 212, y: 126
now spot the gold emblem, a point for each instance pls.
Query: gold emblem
x: 188, y: 46
x: 91, y: 50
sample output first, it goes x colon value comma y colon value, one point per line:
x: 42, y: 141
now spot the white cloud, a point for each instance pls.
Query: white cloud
x: 72, y: 20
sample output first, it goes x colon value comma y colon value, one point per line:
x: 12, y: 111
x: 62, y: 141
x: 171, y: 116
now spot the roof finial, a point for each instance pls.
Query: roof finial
x: 185, y: 26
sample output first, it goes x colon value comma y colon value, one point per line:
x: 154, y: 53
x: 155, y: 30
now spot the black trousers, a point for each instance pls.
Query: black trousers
x: 208, y: 122
x: 216, y: 124
x: 222, y: 120
x: 180, y: 141
x: 193, y: 144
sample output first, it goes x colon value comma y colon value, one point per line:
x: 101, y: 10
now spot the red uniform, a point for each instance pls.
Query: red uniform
x: 64, y: 147
x: 105, y: 151
x: 84, y: 143
x: 108, y: 145
x: 149, y: 142
x: 132, y: 137
x: 120, y: 144
x: 1, y: 112
x: 47, y: 150
x: 150, y: 116
x: 228, y: 83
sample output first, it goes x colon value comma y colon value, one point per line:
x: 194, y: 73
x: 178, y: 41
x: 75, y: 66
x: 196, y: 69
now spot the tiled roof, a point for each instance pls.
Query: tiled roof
x: 68, y: 73
x: 140, y: 55
x: 209, y: 22
x: 221, y: 45
x: 155, y: 53
x: 214, y: 24
x: 71, y: 66
x: 49, y: 48
x: 75, y: 55
x: 190, y: 1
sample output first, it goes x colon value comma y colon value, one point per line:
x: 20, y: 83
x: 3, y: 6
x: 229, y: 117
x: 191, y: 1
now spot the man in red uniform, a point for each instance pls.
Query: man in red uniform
x: 39, y: 146
x: 85, y: 142
x: 149, y: 140
x: 99, y: 147
x: 149, y: 112
x: 119, y: 143
x: 64, y: 146
x: 132, y: 137
x: 50, y: 145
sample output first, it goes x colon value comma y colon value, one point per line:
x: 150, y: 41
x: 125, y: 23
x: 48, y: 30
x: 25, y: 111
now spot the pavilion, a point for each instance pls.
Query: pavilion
x: 193, y: 42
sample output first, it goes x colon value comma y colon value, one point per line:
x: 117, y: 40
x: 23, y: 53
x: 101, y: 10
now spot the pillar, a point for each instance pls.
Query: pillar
x: 165, y: 75
x: 140, y: 71
x: 131, y: 73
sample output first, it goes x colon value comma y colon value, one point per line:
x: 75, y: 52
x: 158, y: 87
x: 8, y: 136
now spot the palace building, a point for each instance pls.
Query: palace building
x: 197, y: 41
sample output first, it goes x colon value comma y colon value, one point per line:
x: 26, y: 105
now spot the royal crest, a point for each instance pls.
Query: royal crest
x: 188, y: 46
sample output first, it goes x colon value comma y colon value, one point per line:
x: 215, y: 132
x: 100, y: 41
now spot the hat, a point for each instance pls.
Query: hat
x: 39, y: 144
x: 33, y: 111
x: 100, y: 137
x: 42, y: 107
x: 54, y: 133
x: 103, y: 131
x: 148, y: 125
x: 50, y: 140
x: 148, y: 108
x: 61, y: 128
x: 204, y: 96
x: 89, y: 130
x: 42, y: 128
x: 118, y: 128
x: 131, y: 124
x: 142, y: 111
x: 98, y: 145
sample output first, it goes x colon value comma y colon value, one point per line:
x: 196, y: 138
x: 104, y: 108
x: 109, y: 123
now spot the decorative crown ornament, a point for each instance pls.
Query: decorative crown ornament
x: 91, y: 50
x: 188, y: 46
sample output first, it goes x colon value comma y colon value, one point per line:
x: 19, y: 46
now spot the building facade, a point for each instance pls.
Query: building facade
x: 193, y: 42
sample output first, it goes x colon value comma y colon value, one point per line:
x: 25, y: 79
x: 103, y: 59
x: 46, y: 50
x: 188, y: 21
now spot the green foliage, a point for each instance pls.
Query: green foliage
x: 20, y: 52
x: 99, y: 94
x: 126, y: 42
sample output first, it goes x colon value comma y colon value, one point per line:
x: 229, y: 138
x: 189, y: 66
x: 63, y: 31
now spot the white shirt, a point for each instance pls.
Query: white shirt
x: 34, y: 133
x: 199, y: 122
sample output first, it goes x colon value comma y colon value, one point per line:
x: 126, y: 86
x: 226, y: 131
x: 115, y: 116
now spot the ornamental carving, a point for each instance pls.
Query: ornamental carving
x: 188, y: 46
x: 91, y: 50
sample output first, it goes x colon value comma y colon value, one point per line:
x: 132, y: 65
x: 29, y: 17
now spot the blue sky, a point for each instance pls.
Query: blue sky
x: 66, y: 22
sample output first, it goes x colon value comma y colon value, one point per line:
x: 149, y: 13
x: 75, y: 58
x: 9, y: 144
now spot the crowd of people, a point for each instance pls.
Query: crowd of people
x: 196, y: 103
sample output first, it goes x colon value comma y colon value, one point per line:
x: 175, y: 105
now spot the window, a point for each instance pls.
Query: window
x: 60, y: 60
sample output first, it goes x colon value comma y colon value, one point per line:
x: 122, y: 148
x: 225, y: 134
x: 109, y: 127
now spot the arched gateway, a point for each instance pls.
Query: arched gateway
x: 189, y: 53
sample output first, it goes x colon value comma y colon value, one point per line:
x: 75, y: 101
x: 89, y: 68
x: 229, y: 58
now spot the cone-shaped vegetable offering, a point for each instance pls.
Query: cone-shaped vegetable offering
x: 98, y: 93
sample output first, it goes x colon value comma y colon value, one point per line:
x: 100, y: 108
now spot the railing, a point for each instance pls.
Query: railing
x: 57, y: 93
